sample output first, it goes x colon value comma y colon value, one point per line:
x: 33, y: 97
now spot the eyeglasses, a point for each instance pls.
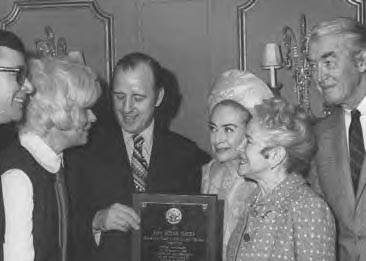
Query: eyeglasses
x: 21, y: 73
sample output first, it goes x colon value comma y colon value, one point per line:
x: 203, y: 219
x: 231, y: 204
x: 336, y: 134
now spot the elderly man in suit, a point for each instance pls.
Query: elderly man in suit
x: 338, y: 58
x: 134, y: 155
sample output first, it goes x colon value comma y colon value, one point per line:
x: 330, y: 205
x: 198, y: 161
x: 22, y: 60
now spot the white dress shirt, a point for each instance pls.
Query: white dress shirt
x: 147, y: 134
x: 347, y: 116
x: 18, y: 200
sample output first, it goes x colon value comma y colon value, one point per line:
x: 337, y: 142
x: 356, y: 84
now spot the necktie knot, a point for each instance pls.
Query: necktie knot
x: 60, y: 176
x: 355, y: 114
x: 138, y: 140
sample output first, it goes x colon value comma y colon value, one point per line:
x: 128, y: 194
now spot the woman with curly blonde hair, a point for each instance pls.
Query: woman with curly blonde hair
x: 58, y: 117
x: 283, y: 219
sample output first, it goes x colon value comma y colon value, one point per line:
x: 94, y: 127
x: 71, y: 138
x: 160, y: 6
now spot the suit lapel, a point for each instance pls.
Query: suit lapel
x: 333, y: 161
x: 122, y: 147
x: 122, y: 164
x: 154, y: 158
x: 161, y: 179
x: 362, y: 181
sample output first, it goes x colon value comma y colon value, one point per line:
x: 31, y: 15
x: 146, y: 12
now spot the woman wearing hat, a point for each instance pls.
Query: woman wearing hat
x: 232, y: 97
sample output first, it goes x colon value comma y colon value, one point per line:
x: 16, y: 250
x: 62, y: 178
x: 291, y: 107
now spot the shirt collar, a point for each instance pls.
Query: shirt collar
x: 361, y: 107
x: 41, y: 152
x: 147, y: 134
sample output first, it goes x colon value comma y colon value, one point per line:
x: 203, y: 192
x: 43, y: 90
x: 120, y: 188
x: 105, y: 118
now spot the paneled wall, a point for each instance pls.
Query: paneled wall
x: 265, y: 21
x: 197, y: 39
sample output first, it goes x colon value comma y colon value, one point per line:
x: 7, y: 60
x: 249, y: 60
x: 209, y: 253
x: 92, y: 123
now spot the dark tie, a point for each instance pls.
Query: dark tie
x: 356, y: 147
x: 62, y: 203
x: 139, y: 165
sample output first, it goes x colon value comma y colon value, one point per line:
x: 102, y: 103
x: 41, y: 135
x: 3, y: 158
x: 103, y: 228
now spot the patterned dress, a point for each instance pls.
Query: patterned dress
x: 292, y: 223
x: 223, y: 180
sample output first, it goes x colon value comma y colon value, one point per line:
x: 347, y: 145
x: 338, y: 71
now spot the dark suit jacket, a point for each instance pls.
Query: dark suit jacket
x: 100, y: 175
x: 332, y: 176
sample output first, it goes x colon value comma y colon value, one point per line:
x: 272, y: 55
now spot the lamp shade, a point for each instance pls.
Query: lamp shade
x: 77, y: 56
x: 272, y: 56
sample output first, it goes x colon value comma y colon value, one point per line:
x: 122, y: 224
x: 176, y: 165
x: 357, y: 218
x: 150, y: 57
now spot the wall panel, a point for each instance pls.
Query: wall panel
x: 195, y: 39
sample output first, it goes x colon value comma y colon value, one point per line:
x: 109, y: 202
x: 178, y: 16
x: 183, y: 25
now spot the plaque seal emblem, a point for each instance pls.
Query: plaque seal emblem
x: 173, y: 216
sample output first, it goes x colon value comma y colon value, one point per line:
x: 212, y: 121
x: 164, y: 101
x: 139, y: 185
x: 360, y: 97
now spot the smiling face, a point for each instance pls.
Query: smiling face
x: 336, y: 73
x: 135, y: 98
x: 227, y: 130
x: 12, y: 94
x: 82, y: 124
x: 254, y: 160
x: 77, y: 134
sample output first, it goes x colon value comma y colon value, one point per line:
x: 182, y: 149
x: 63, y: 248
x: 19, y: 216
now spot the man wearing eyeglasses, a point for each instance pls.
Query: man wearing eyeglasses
x: 14, y: 90
x: 14, y: 86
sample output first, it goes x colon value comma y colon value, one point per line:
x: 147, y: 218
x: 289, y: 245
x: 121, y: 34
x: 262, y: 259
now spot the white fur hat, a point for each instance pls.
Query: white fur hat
x: 242, y: 87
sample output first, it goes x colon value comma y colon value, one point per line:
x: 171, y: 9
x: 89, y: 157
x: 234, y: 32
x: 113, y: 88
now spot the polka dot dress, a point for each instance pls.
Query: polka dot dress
x: 292, y: 223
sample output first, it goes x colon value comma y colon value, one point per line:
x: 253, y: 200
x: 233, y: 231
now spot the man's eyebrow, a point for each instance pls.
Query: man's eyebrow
x: 230, y: 125
x: 117, y: 92
x: 322, y: 57
x: 327, y: 54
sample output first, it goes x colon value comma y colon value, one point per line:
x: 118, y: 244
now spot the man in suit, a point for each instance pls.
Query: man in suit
x: 170, y: 162
x: 14, y: 91
x: 337, y: 52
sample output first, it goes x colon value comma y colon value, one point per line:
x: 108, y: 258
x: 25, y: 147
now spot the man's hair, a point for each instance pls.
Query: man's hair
x: 288, y: 126
x: 247, y: 116
x: 12, y: 41
x: 132, y: 60
x: 350, y: 28
x: 62, y: 87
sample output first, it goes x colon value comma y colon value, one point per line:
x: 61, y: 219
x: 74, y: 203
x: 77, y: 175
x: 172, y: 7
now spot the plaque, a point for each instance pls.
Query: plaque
x: 177, y: 228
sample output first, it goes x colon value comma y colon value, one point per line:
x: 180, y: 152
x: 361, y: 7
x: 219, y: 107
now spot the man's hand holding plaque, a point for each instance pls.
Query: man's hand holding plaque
x: 116, y: 217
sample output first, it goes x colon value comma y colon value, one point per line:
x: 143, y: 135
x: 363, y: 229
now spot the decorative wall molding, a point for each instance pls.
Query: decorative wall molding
x: 241, y: 10
x: 241, y: 32
x: 360, y: 5
x: 21, y: 6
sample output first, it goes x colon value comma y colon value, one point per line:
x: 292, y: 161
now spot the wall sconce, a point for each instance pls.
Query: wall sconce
x: 272, y: 60
x: 295, y: 59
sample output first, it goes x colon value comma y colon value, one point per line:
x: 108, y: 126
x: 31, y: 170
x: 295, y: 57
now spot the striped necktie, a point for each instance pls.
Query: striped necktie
x: 356, y: 147
x: 62, y: 203
x: 139, y: 165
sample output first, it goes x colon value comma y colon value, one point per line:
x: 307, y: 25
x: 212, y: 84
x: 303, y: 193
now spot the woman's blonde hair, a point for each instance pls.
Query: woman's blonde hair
x: 288, y: 126
x: 61, y: 87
